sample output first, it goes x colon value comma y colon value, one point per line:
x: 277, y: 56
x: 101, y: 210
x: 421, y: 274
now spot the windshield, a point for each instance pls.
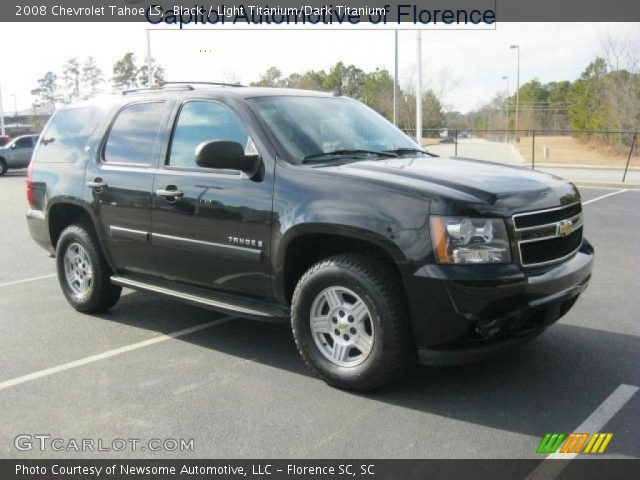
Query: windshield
x: 317, y: 127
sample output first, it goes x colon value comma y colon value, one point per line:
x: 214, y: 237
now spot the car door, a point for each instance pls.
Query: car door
x: 211, y: 227
x: 119, y: 184
x: 29, y: 156
x: 21, y: 152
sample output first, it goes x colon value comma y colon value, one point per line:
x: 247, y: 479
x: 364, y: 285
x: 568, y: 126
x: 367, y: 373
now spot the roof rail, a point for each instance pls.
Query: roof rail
x: 156, y: 88
x: 177, y: 86
x: 220, y: 84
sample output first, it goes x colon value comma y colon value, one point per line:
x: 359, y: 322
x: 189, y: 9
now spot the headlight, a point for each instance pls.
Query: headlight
x: 459, y: 240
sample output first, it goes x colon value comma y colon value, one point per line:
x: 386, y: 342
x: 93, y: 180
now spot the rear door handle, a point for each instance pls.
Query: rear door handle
x: 97, y: 184
x: 169, y: 194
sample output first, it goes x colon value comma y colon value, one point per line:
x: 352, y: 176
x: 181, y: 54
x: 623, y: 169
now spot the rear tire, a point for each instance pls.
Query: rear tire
x: 83, y: 271
x: 350, y: 322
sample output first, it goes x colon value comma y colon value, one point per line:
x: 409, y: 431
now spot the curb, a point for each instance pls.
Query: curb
x: 586, y: 166
x: 620, y: 185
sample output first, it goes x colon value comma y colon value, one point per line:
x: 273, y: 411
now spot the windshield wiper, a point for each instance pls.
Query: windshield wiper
x: 346, y: 153
x: 402, y: 151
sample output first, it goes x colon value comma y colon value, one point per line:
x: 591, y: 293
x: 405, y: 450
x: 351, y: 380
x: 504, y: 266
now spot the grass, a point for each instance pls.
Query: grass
x: 569, y: 150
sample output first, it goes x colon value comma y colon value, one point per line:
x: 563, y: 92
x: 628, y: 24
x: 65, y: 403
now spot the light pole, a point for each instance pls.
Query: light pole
x: 149, y: 61
x: 419, y: 90
x: 517, y: 47
x: 2, y: 130
x: 395, y: 80
x: 15, y: 108
x: 506, y: 129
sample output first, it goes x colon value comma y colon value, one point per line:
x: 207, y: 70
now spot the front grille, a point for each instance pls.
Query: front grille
x: 546, y: 217
x: 548, y: 236
x: 544, y: 251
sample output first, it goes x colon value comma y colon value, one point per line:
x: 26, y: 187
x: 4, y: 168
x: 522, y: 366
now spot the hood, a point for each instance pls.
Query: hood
x: 459, y: 186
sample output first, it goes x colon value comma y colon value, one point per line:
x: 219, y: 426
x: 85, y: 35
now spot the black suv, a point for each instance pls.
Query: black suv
x: 309, y: 207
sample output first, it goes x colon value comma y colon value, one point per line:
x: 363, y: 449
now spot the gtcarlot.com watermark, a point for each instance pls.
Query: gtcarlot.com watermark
x: 47, y: 443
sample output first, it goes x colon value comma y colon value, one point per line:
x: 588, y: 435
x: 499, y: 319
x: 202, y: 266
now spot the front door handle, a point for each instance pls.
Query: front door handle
x: 169, y: 194
x: 97, y: 184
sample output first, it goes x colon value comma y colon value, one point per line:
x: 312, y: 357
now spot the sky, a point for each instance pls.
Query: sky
x: 466, y: 66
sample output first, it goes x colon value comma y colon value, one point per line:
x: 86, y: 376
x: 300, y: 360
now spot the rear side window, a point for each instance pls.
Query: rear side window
x: 24, y: 142
x: 133, y: 135
x: 201, y: 121
x: 67, y: 134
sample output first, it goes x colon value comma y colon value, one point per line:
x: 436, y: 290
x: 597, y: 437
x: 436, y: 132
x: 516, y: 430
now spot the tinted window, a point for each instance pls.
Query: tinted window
x: 133, y: 134
x: 24, y: 142
x: 67, y: 134
x: 199, y: 122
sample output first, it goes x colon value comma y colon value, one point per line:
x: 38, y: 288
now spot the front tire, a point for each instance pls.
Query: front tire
x: 83, y: 271
x: 350, y: 322
x: 3, y: 167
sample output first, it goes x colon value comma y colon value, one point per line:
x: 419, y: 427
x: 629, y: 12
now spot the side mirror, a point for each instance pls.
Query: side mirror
x: 227, y: 155
x: 13, y: 146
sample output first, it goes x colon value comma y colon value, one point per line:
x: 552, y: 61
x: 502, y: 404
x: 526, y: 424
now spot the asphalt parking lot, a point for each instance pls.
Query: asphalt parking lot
x: 238, y: 388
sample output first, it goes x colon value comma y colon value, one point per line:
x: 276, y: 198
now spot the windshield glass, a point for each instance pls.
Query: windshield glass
x: 308, y: 127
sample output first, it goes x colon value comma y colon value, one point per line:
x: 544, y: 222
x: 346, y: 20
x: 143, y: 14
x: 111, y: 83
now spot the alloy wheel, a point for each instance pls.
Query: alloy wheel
x: 341, y: 326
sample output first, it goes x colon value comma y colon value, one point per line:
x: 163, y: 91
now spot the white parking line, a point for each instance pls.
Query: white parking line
x: 603, y: 196
x: 111, y: 353
x: 597, y: 188
x: 549, y: 468
x: 32, y: 279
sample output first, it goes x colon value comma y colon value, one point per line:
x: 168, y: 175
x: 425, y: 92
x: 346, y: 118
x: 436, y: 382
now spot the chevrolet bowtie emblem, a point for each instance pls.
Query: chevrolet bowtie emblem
x: 565, y: 227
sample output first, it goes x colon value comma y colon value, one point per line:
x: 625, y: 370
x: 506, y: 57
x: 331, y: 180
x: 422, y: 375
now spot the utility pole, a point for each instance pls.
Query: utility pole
x: 149, y: 62
x: 36, y: 127
x: 2, y: 130
x: 517, y: 47
x: 419, y: 89
x: 15, y: 109
x: 395, y: 81
x: 506, y: 129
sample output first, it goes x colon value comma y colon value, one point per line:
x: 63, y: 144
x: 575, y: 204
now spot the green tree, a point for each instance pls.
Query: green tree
x: 457, y: 121
x: 125, y: 72
x: 346, y: 79
x: 432, y: 113
x: 587, y: 110
x: 71, y: 79
x: 47, y: 92
x: 376, y: 91
x: 157, y: 75
x: 271, y: 78
x: 310, y: 80
x: 92, y: 76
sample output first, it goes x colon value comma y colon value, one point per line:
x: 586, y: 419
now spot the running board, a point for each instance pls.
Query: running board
x: 216, y: 301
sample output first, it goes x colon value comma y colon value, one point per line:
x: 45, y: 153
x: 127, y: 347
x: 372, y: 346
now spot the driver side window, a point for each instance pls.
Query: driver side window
x: 201, y: 121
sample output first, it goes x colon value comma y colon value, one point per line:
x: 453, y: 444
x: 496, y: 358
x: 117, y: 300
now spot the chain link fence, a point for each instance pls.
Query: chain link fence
x: 612, y: 156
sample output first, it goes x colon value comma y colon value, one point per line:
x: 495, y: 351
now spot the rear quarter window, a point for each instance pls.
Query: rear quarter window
x: 67, y: 134
x: 133, y: 134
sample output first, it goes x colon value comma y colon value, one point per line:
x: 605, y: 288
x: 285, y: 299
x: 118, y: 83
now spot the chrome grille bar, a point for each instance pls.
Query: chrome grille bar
x: 558, y: 235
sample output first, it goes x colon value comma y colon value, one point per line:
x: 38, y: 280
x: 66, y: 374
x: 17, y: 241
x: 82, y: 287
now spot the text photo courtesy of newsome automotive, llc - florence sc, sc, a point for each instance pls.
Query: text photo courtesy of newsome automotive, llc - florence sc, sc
x: 278, y: 240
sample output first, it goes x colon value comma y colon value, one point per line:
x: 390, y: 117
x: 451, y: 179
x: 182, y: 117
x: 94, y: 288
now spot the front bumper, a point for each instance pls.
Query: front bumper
x: 460, y: 313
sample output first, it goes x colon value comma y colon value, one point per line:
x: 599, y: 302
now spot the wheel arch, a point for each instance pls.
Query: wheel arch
x: 308, y: 244
x: 66, y: 211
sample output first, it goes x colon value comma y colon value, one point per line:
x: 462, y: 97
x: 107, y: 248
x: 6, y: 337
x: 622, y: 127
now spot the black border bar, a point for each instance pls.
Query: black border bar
x: 582, y: 469
x: 505, y: 10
